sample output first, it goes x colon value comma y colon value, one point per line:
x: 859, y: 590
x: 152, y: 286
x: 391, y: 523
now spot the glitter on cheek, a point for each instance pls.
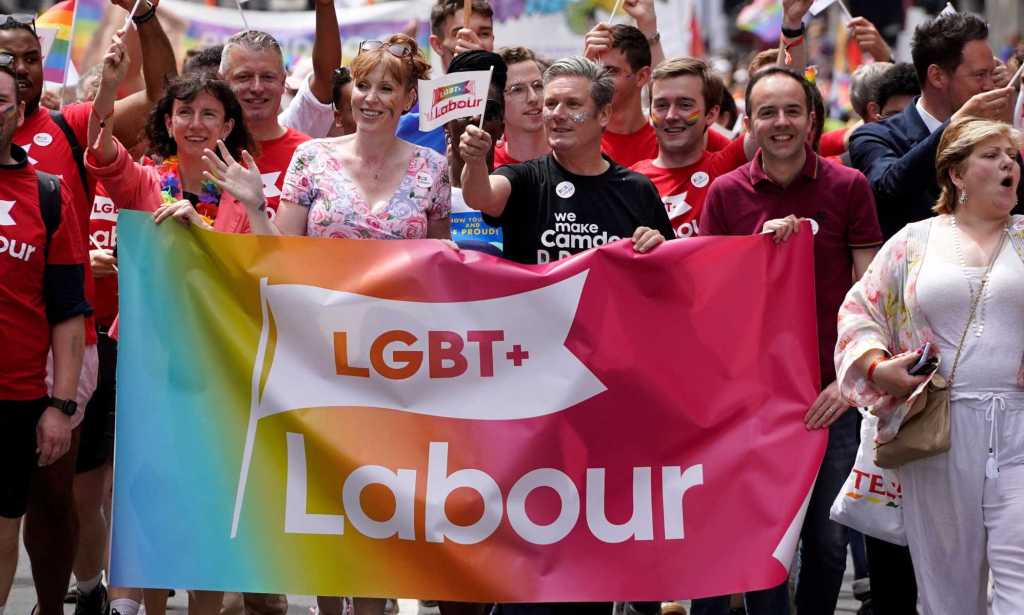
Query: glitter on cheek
x: 578, y: 117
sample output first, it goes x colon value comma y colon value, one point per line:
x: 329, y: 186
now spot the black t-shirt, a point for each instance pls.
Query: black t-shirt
x: 552, y: 213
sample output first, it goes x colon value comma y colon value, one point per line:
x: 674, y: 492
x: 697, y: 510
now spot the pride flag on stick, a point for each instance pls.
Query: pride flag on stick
x: 60, y: 20
x: 452, y: 96
x: 762, y: 18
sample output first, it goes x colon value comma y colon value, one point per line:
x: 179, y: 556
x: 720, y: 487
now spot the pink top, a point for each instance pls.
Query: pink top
x: 135, y: 186
x: 317, y: 180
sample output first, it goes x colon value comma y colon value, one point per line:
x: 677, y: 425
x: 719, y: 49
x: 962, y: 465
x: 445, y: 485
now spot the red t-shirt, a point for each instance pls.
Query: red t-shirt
x: 683, y: 189
x: 717, y: 141
x: 23, y: 250
x: 275, y: 156
x: 49, y: 151
x: 501, y: 157
x: 103, y: 234
x: 630, y: 149
x: 837, y: 198
x: 833, y: 143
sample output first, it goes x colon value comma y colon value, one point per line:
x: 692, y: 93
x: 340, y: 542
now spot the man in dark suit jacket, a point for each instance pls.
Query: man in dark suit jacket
x: 957, y: 71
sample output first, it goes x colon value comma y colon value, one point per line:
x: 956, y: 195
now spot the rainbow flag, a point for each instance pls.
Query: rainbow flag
x: 762, y: 18
x: 60, y: 18
x: 88, y: 16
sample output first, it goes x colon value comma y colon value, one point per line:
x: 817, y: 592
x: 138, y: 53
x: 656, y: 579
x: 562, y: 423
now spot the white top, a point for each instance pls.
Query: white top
x: 307, y: 114
x: 930, y: 122
x: 989, y: 362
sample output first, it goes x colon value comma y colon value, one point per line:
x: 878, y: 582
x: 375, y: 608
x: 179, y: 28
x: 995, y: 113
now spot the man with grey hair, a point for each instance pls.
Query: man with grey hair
x: 563, y: 203
x: 864, y: 89
x: 253, y: 66
x: 602, y: 200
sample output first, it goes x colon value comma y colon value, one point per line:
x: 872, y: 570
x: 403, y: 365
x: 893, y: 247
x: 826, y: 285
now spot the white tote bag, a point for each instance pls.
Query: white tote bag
x: 871, y: 500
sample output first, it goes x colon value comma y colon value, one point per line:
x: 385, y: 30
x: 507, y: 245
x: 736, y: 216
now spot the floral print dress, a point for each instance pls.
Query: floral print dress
x: 316, y: 179
x: 881, y: 311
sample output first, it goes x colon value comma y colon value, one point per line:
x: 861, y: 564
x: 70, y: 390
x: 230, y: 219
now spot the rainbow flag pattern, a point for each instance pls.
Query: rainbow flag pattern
x: 762, y: 18
x: 89, y: 15
x: 396, y: 418
x: 60, y: 17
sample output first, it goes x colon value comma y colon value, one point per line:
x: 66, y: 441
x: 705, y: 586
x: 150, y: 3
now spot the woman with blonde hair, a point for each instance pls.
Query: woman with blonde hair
x: 366, y: 185
x: 955, y: 281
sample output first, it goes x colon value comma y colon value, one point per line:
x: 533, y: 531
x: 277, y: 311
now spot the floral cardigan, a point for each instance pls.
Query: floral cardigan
x: 881, y: 312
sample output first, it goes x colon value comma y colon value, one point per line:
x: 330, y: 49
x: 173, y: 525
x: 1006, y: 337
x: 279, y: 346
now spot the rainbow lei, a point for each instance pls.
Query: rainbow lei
x: 171, y: 192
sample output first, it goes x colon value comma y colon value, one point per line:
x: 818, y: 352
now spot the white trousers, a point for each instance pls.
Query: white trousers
x: 961, y: 522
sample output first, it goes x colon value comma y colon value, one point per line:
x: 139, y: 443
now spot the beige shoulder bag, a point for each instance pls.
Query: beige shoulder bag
x: 925, y: 430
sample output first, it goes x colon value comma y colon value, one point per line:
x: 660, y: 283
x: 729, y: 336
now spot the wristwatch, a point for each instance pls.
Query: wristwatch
x: 67, y: 406
x: 796, y: 33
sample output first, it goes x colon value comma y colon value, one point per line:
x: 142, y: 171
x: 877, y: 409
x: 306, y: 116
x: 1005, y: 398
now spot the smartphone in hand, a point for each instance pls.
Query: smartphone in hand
x: 927, y: 363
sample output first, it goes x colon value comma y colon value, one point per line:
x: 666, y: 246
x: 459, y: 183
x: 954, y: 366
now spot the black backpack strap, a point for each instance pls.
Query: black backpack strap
x: 76, y: 150
x: 49, y: 204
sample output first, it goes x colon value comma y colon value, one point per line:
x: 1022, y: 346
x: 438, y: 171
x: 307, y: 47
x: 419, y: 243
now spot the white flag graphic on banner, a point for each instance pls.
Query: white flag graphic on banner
x: 452, y: 96
x: 495, y: 359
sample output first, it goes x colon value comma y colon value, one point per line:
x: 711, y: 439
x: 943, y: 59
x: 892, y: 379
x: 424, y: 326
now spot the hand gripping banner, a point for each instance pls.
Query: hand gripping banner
x: 378, y: 418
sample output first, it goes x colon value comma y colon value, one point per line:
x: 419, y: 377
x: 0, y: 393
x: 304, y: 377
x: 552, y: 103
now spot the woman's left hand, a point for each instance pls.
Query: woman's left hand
x: 242, y: 181
x: 182, y: 211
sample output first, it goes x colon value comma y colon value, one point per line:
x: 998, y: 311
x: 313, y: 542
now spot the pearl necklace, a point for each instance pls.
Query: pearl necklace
x: 979, y: 322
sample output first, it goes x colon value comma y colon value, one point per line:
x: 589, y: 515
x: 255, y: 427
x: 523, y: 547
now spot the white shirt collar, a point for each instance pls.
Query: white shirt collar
x: 929, y: 120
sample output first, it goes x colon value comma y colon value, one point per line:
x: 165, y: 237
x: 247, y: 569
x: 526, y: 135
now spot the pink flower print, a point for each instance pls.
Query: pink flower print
x: 317, y: 216
x: 415, y: 228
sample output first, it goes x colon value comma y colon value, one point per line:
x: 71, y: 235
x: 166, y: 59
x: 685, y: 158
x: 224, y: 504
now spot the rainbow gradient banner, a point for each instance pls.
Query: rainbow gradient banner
x: 378, y: 418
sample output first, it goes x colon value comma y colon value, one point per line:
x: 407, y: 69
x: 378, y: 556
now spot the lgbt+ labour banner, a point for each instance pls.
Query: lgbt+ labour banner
x: 398, y: 418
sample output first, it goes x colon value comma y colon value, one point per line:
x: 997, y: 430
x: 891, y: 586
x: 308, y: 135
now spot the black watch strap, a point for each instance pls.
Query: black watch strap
x: 67, y: 406
x: 794, y: 33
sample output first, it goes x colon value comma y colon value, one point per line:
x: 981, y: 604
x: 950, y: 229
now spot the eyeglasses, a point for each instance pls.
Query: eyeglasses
x: 18, y: 19
x: 6, y: 60
x: 399, y: 50
x: 519, y: 90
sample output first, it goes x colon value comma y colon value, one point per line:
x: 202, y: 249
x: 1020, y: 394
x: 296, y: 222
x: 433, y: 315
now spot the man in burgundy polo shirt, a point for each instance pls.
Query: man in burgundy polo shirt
x: 783, y: 188
x: 42, y: 303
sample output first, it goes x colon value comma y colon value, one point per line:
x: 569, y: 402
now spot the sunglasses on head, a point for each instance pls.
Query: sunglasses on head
x: 399, y: 50
x: 18, y: 19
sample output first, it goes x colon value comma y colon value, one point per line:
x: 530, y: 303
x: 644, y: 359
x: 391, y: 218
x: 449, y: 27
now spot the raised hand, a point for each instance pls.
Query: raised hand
x: 993, y: 105
x: 474, y: 144
x: 869, y: 39
x: 467, y: 40
x: 127, y: 5
x: 115, y: 60
x: 642, y: 11
x: 242, y: 182
x: 793, y: 12
x: 597, y: 41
